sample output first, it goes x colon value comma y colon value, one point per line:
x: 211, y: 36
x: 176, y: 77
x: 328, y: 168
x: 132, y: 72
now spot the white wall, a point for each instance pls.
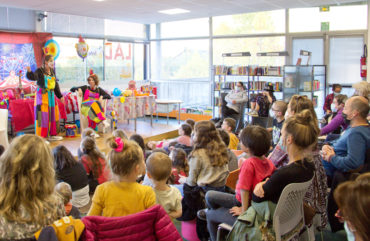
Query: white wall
x: 16, y: 19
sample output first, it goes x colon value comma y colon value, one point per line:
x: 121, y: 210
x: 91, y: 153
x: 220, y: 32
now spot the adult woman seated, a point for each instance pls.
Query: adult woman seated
x: 337, y: 120
x: 316, y: 195
x: 27, y: 179
x: 92, y: 96
x: 299, y: 134
x: 72, y: 172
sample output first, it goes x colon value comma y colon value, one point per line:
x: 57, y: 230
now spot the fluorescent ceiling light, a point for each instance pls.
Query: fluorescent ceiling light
x: 173, y: 11
x: 98, y: 0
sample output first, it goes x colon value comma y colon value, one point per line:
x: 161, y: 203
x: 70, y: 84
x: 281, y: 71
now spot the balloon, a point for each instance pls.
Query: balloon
x: 2, y: 103
x: 51, y: 47
x: 127, y: 93
x: 117, y: 92
x: 82, y: 48
x: 122, y: 99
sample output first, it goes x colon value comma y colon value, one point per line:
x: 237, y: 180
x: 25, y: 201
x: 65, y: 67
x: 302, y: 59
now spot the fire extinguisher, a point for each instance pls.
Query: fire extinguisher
x: 363, y: 63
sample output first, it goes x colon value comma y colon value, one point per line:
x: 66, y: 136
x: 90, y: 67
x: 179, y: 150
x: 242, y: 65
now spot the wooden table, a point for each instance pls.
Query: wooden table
x: 167, y: 103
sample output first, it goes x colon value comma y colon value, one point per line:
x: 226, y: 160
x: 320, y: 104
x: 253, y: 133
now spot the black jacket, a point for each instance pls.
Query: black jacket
x: 38, y: 76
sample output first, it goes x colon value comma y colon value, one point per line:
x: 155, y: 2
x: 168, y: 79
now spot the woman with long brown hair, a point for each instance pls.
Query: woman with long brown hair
x: 27, y: 179
x: 46, y: 107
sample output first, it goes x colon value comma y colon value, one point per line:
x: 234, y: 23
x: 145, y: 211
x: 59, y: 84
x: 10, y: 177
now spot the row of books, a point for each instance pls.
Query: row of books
x: 315, y: 85
x: 248, y: 70
x: 253, y: 85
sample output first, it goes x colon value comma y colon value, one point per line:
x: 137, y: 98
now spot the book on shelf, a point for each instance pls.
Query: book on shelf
x: 230, y: 70
x: 315, y: 100
x: 316, y: 85
x: 265, y: 71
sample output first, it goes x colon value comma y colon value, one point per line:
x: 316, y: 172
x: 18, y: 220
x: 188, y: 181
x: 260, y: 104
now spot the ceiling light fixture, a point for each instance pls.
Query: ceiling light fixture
x: 98, y: 0
x: 173, y: 11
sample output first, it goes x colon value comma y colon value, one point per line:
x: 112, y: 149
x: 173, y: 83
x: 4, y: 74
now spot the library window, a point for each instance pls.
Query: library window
x: 250, y: 23
x: 139, y: 61
x: 180, y: 59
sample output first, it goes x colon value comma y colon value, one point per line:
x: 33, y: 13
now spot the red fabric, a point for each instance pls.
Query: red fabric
x: 151, y: 224
x: 37, y: 39
x: 253, y: 171
x: 22, y: 112
x: 328, y: 100
x: 104, y: 173
x: 177, y: 175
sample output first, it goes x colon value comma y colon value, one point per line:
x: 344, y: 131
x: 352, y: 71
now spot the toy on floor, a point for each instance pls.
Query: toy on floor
x: 71, y: 130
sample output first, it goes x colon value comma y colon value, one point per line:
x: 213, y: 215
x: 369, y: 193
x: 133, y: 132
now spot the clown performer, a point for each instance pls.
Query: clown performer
x: 46, y: 107
x: 92, y: 99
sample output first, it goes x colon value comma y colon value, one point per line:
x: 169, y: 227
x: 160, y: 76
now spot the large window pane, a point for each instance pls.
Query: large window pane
x: 118, y: 63
x: 139, y: 61
x: 186, y: 28
x: 315, y: 46
x: 125, y: 29
x: 70, y: 69
x: 183, y: 59
x: 339, y: 18
x: 94, y: 60
x: 344, y: 60
x: 253, y: 45
x: 250, y: 23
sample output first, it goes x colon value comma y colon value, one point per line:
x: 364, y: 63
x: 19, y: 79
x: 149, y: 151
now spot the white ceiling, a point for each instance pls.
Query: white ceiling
x: 145, y: 11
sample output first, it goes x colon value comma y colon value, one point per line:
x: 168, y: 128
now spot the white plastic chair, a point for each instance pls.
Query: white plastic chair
x: 4, y: 128
x: 84, y: 123
x: 288, y: 218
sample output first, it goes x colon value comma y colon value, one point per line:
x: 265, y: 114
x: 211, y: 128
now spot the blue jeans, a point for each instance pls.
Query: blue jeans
x: 218, y: 204
x: 329, y: 168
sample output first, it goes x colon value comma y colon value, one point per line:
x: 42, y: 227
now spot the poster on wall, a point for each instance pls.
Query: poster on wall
x: 13, y: 59
x: 118, y: 62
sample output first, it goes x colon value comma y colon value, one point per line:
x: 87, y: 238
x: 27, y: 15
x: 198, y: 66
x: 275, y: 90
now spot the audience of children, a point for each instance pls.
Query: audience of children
x: 233, y: 161
x: 278, y: 110
x: 225, y: 207
x: 65, y: 191
x: 229, y: 125
x: 208, y: 160
x: 94, y: 162
x: 159, y: 167
x: 123, y: 195
x: 69, y: 170
x: 116, y: 191
x: 27, y: 179
x: 180, y: 167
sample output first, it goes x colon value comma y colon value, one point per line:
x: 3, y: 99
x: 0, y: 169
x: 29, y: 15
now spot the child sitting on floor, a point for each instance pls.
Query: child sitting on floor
x: 183, y: 139
x: 180, y: 166
x: 65, y: 191
x: 123, y: 195
x: 86, y: 132
x: 94, y: 162
x: 159, y: 167
x: 229, y: 125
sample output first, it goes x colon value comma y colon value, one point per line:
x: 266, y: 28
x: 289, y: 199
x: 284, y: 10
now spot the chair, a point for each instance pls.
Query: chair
x: 232, y: 179
x: 4, y: 128
x: 288, y: 218
x: 84, y: 123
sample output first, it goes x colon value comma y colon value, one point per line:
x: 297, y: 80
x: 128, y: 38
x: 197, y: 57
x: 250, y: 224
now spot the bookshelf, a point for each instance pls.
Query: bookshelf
x: 253, y: 78
x: 309, y: 80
